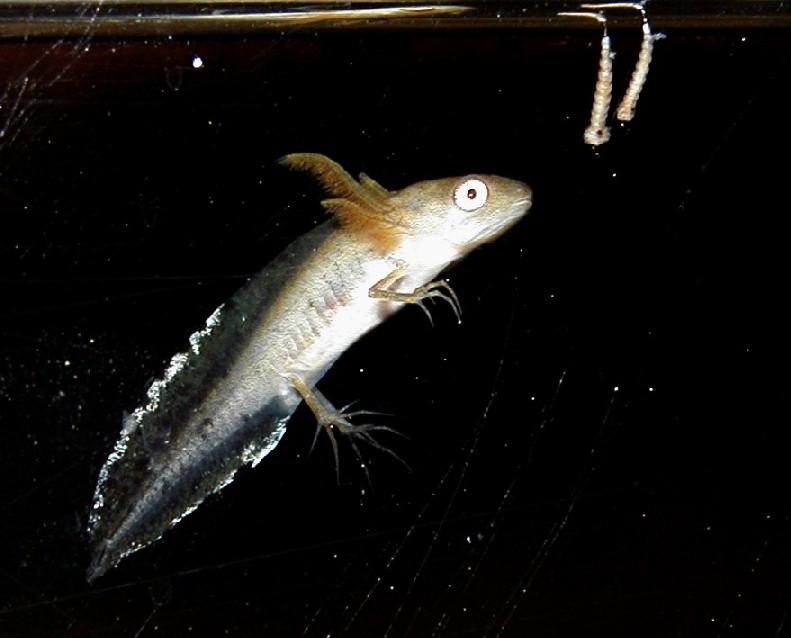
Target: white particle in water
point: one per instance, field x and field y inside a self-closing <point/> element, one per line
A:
<point x="197" y="62"/>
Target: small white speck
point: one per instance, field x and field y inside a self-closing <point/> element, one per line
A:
<point x="650" y="388"/>
<point x="67" y="363"/>
<point x="197" y="62"/>
<point x="615" y="389"/>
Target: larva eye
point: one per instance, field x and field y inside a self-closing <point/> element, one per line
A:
<point x="471" y="194"/>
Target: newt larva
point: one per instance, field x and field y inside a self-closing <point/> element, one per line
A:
<point x="226" y="401"/>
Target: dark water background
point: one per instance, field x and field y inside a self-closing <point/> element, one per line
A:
<point x="599" y="449"/>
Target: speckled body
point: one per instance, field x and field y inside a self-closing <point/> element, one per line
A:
<point x="227" y="401"/>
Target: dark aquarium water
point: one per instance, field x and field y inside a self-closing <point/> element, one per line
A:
<point x="598" y="449"/>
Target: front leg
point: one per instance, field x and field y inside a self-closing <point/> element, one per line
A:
<point x="439" y="289"/>
<point x="329" y="417"/>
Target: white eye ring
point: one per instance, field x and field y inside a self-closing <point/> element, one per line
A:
<point x="471" y="194"/>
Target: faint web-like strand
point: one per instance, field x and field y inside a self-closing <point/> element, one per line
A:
<point x="465" y="570"/>
<point x="782" y="622"/>
<point x="598" y="132"/>
<point x="158" y="599"/>
<point x="469" y="449"/>
<point x="432" y="543"/>
<point x="750" y="575"/>
<point x="20" y="86"/>
<point x="628" y="105"/>
<point x="341" y="580"/>
<point x="521" y="588"/>
<point x="469" y="571"/>
<point x="397" y="551"/>
<point x="17" y="115"/>
<point x="509" y="490"/>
